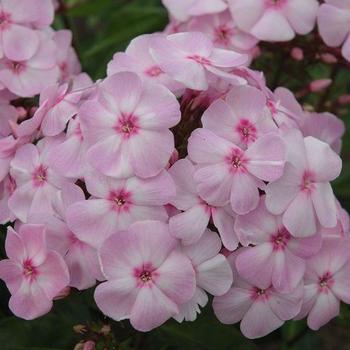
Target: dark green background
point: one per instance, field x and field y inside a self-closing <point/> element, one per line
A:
<point x="102" y="27"/>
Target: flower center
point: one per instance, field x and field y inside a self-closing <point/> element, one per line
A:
<point x="5" y="19"/>
<point x="154" y="71"/>
<point x="326" y="282"/>
<point x="17" y="67"/>
<point x="120" y="200"/>
<point x="199" y="59"/>
<point x="223" y="34"/>
<point x="145" y="276"/>
<point x="280" y="239"/>
<point x="308" y="182"/>
<point x="275" y="3"/>
<point x="236" y="160"/>
<point x="40" y="176"/>
<point x="260" y="294"/>
<point x="29" y="270"/>
<point x="247" y="131"/>
<point x="127" y="126"/>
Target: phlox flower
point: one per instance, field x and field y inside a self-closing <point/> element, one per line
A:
<point x="33" y="274"/>
<point x="148" y="276"/>
<point x="228" y="174"/>
<point x="29" y="77"/>
<point x="241" y="118"/>
<point x="37" y="183"/>
<point x="327" y="282"/>
<point x="303" y="194"/>
<point x="213" y="274"/>
<point x="261" y="17"/>
<point x="81" y="258"/>
<point x="128" y="126"/>
<point x="191" y="224"/>
<point x="278" y="258"/>
<point x="182" y="10"/>
<point x="334" y="24"/>
<point x="260" y="309"/>
<point x="115" y="204"/>
<point x="191" y="58"/>
<point x="137" y="58"/>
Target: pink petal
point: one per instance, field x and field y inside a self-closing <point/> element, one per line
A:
<point x="227" y="58"/>
<point x="12" y="274"/>
<point x="14" y="247"/>
<point x="176" y="278"/>
<point x="341" y="287"/>
<point x="192" y="43"/>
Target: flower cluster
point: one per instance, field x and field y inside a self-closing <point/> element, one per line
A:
<point x="179" y="174"/>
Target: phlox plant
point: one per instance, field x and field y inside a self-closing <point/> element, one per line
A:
<point x="182" y="178"/>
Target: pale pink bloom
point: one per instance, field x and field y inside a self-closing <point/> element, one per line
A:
<point x="325" y="127"/>
<point x="213" y="274"/>
<point x="223" y="32"/>
<point x="8" y="114"/>
<point x="148" y="276"/>
<point x="334" y="24"/>
<point x="29" y="77"/>
<point x="261" y="310"/>
<point x="68" y="157"/>
<point x="137" y="58"/>
<point x="191" y="59"/>
<point x="66" y="56"/>
<point x="33" y="274"/>
<point x="128" y="126"/>
<point x="7" y="187"/>
<point x="327" y="282"/>
<point x="320" y="85"/>
<point x="303" y="194"/>
<point x="262" y="17"/>
<point x="118" y="203"/>
<point x="18" y="38"/>
<point x="278" y="258"/>
<point x="37" y="183"/>
<point x="228" y="174"/>
<point x="190" y="225"/>
<point x="81" y="258"/>
<point x="182" y="10"/>
<point x="8" y="146"/>
<point x="241" y="118"/>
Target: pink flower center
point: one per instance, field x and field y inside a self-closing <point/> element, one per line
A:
<point x="275" y="3"/>
<point x="308" y="182"/>
<point x="154" y="71"/>
<point x="40" y="176"/>
<point x="236" y="160"/>
<point x="280" y="239"/>
<point x="29" y="270"/>
<point x="199" y="59"/>
<point x="223" y="34"/>
<point x="260" y="294"/>
<point x="120" y="200"/>
<point x="247" y="131"/>
<point x="17" y="67"/>
<point x="5" y="20"/>
<point x="127" y="126"/>
<point x="325" y="282"/>
<point x="145" y="275"/>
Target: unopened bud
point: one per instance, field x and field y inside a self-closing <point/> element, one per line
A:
<point x="319" y="85"/>
<point x="344" y="99"/>
<point x="329" y="58"/>
<point x="297" y="54"/>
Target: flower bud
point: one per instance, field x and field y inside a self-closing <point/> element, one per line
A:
<point x="319" y="85"/>
<point x="329" y="58"/>
<point x="297" y="54"/>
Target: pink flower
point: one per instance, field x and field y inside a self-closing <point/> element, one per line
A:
<point x="128" y="126"/>
<point x="241" y="118"/>
<point x="18" y="39"/>
<point x="191" y="224"/>
<point x="278" y="258"/>
<point x="228" y="174"/>
<point x="66" y="56"/>
<point x="261" y="310"/>
<point x="118" y="203"/>
<point x="262" y="17"/>
<point x="327" y="282"/>
<point x="137" y="58"/>
<point x="81" y="258"/>
<point x="303" y="194"/>
<point x="29" y="77"/>
<point x="213" y="274"/>
<point x="182" y="10"/>
<point x="147" y="276"/>
<point x="334" y="24"/>
<point x="33" y="274"/>
<point x="223" y="32"/>
<point x="190" y="58"/>
<point x="37" y="184"/>
<point x="325" y="127"/>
